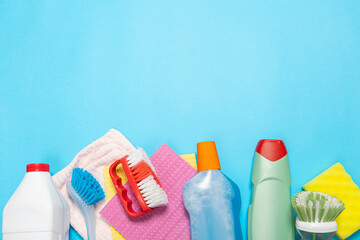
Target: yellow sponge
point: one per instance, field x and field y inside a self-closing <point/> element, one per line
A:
<point x="111" y="192"/>
<point x="337" y="182"/>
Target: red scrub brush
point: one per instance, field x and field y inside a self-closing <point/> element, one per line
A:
<point x="143" y="181"/>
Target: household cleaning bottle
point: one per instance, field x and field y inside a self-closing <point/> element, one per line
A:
<point x="270" y="214"/>
<point x="36" y="210"/>
<point x="212" y="199"/>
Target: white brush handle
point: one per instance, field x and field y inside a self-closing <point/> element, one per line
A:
<point x="89" y="216"/>
<point x="87" y="211"/>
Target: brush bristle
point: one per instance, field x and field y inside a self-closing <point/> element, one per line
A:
<point x="151" y="191"/>
<point x="86" y="186"/>
<point x="138" y="156"/>
<point x="317" y="207"/>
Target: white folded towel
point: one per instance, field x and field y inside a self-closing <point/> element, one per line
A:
<point x="93" y="158"/>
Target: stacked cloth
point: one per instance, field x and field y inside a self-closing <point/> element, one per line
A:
<point x="165" y="222"/>
<point x="111" y="191"/>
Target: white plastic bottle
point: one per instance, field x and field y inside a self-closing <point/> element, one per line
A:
<point x="36" y="210"/>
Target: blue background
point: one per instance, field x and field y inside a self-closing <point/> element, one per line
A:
<point x="181" y="72"/>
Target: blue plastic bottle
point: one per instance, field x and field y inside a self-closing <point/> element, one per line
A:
<point x="211" y="199"/>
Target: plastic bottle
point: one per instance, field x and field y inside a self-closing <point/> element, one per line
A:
<point x="211" y="199"/>
<point x="36" y="210"/>
<point x="270" y="215"/>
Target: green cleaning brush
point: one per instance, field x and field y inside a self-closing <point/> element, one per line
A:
<point x="316" y="214"/>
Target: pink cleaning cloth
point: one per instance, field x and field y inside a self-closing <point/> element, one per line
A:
<point x="93" y="158"/>
<point x="168" y="222"/>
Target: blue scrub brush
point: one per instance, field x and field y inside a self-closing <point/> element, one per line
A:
<point x="86" y="191"/>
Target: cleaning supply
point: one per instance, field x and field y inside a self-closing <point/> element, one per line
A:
<point x="110" y="190"/>
<point x="211" y="199"/>
<point x="143" y="181"/>
<point x="36" y="210"/>
<point x="85" y="190"/>
<point x="337" y="182"/>
<point x="166" y="222"/>
<point x="316" y="214"/>
<point x="93" y="158"/>
<point x="270" y="214"/>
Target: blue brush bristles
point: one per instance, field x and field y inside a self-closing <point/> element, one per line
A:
<point x="86" y="186"/>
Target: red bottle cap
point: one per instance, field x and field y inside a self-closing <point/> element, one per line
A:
<point x="271" y="149"/>
<point x="37" y="167"/>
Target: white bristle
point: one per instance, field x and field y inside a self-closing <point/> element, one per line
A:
<point x="137" y="156"/>
<point x="151" y="191"/>
<point x="153" y="194"/>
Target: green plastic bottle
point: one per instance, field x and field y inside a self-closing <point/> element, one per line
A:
<point x="270" y="214"/>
